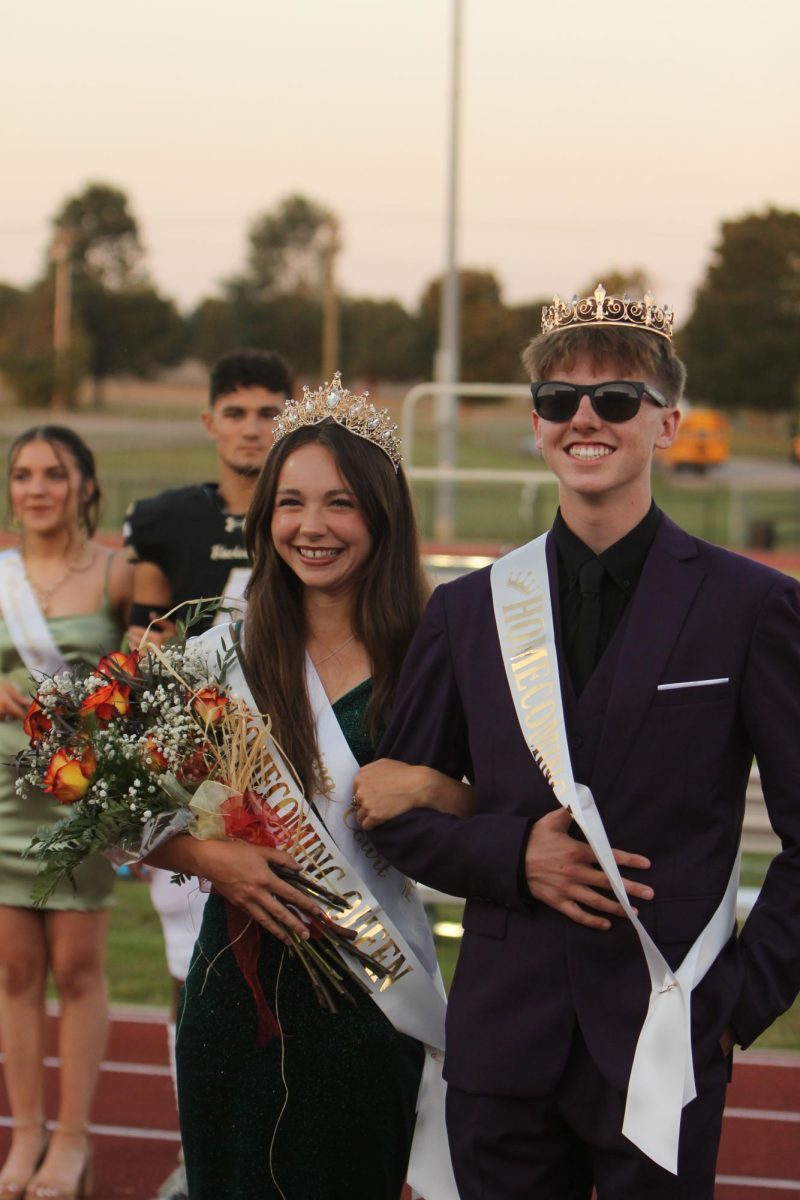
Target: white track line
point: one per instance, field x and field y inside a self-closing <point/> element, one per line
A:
<point x="122" y="1068"/>
<point x="761" y="1114"/>
<point x="775" y="1185"/>
<point x="118" y="1131"/>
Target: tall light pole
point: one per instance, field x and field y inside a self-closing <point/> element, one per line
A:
<point x="447" y="367"/>
<point x="330" y="300"/>
<point x="62" y="311"/>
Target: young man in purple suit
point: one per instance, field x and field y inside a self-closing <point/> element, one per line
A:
<point x="604" y="686"/>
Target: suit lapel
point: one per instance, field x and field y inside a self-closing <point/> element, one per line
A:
<point x="671" y="577"/>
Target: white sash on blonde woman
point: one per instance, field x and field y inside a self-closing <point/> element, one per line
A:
<point x="384" y="907"/>
<point x="662" y="1079"/>
<point x="26" y="622"/>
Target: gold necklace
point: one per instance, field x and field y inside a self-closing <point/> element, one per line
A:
<point x="45" y="594"/>
<point x="319" y="661"/>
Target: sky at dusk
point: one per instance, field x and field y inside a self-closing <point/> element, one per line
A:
<point x="593" y="136"/>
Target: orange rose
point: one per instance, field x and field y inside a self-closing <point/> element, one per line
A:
<point x="68" y="775"/>
<point x="116" y="664"/>
<point x="111" y="700"/>
<point x="36" y="724"/>
<point x="209" y="705"/>
<point x="154" y="757"/>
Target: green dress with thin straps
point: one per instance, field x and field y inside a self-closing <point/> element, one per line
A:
<point x="326" y="1114"/>
<point x="80" y="639"/>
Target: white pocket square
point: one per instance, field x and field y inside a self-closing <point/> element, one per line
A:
<point x="692" y="683"/>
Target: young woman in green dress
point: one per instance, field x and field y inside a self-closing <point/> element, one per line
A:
<point x="63" y="599"/>
<point x="326" y="1110"/>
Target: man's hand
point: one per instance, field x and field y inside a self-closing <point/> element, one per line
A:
<point x="563" y="873"/>
<point x="727" y="1041"/>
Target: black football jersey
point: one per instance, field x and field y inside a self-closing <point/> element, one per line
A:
<point x="196" y="543"/>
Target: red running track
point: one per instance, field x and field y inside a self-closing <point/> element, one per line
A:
<point x="136" y="1140"/>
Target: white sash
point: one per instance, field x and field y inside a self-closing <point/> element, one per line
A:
<point x="662" y="1078"/>
<point x="26" y="622"/>
<point x="396" y="895"/>
<point x="388" y="912"/>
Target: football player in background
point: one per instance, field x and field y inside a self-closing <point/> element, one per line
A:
<point x="186" y="542"/>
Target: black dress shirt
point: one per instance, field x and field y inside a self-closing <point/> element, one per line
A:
<point x="621" y="566"/>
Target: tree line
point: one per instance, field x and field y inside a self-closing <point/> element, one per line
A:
<point x="741" y="342"/>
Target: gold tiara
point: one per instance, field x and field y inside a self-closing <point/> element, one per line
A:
<point x="602" y="310"/>
<point x="350" y="411"/>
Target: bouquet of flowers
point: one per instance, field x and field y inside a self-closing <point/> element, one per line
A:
<point x="142" y="747"/>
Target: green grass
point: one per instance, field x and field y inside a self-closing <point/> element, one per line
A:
<point x="754" y="868"/>
<point x="137" y="968"/>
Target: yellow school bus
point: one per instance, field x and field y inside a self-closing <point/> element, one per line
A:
<point x="703" y="440"/>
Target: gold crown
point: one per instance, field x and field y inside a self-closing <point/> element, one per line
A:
<point x="603" y="310"/>
<point x="350" y="411"/>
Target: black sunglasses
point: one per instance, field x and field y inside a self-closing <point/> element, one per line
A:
<point x="614" y="402"/>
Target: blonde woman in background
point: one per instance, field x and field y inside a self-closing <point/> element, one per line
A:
<point x="63" y="599"/>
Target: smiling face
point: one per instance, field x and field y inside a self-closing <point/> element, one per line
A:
<point x="241" y="423"/>
<point x="46" y="488"/>
<point x="598" y="461"/>
<point x="317" y="526"/>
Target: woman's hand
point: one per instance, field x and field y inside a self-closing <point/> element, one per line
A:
<point x="242" y="873"/>
<point x="14" y="704"/>
<point x="387" y="788"/>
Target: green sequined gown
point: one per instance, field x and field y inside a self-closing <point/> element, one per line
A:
<point x="81" y="639"/>
<point x="348" y="1080"/>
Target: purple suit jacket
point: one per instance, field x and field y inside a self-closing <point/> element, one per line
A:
<point x="668" y="771"/>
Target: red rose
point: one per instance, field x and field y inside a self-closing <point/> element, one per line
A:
<point x="194" y="768"/>
<point x="68" y="775"/>
<point x="36" y="724"/>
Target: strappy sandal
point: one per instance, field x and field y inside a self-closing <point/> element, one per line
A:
<point x="12" y="1189"/>
<point x="42" y="1190"/>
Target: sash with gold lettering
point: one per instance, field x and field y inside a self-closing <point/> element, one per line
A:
<point x="26" y="622"/>
<point x="384" y="906"/>
<point x="662" y="1079"/>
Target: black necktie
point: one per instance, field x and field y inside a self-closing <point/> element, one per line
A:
<point x="590" y="578"/>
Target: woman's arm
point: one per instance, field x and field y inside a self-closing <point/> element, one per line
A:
<point x="153" y="595"/>
<point x="386" y="788"/>
<point x="242" y="874"/>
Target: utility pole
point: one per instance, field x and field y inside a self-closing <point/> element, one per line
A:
<point x="447" y="367"/>
<point x="330" y="300"/>
<point x="62" y="312"/>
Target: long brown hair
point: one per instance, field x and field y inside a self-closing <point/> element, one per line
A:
<point x="390" y="595"/>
